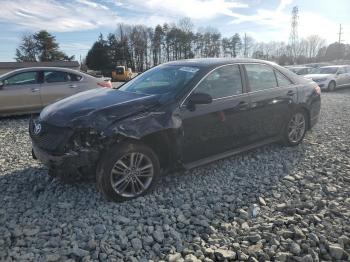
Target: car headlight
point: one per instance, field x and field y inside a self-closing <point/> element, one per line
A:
<point x="320" y="80"/>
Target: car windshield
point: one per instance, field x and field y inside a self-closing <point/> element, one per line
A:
<point x="325" y="70"/>
<point x="161" y="80"/>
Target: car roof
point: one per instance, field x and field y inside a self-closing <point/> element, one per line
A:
<point x="212" y="62"/>
<point x="29" y="69"/>
<point x="46" y="68"/>
<point x="297" y="67"/>
<point x="333" y="66"/>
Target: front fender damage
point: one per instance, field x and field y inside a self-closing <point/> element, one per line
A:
<point x="145" y="124"/>
<point x="87" y="144"/>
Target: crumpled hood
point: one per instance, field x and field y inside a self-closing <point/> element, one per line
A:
<point x="96" y="108"/>
<point x="317" y="76"/>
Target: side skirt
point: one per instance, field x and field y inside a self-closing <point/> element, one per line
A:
<point x="210" y="159"/>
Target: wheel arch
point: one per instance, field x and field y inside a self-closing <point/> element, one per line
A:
<point x="165" y="144"/>
<point x="308" y="115"/>
<point x="334" y="81"/>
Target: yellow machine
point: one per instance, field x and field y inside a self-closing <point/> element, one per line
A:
<point x="121" y="73"/>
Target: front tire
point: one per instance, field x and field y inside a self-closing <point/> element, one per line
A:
<point x="127" y="171"/>
<point x="295" y="129"/>
<point x="331" y="86"/>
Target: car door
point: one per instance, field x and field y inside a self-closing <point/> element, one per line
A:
<point x="79" y="83"/>
<point x="20" y="93"/>
<point x="347" y="70"/>
<point x="273" y="97"/>
<point x="217" y="127"/>
<point x="341" y="76"/>
<point x="56" y="85"/>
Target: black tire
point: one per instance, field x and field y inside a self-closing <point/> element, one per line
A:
<point x="331" y="86"/>
<point x="286" y="135"/>
<point x="108" y="162"/>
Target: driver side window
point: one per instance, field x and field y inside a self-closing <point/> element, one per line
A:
<point x="222" y="82"/>
<point x="26" y="78"/>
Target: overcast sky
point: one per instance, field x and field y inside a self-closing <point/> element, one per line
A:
<point x="77" y="23"/>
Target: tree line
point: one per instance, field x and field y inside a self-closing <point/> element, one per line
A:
<point x="140" y="47"/>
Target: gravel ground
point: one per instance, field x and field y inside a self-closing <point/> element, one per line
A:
<point x="273" y="203"/>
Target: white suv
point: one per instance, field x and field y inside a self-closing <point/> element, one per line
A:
<point x="330" y="77"/>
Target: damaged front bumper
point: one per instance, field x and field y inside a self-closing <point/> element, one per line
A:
<point x="77" y="163"/>
<point x="66" y="153"/>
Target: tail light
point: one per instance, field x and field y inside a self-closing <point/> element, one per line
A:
<point x="106" y="84"/>
<point x="318" y="90"/>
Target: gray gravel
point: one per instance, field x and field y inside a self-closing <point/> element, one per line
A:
<point x="273" y="203"/>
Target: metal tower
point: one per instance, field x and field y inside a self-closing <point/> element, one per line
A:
<point x="293" y="38"/>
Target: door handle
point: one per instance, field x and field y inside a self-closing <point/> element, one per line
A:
<point x="72" y="86"/>
<point x="35" y="90"/>
<point x="291" y="93"/>
<point x="243" y="105"/>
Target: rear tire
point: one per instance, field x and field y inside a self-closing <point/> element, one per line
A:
<point x="295" y="129"/>
<point x="127" y="171"/>
<point x="331" y="86"/>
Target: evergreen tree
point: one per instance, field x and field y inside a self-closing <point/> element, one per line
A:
<point x="26" y="52"/>
<point x="98" y="57"/>
<point x="41" y="46"/>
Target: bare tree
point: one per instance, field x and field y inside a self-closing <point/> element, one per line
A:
<point x="248" y="43"/>
<point x="315" y="43"/>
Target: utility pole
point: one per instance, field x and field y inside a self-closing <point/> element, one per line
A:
<point x="293" y="38"/>
<point x="245" y="45"/>
<point x="340" y="33"/>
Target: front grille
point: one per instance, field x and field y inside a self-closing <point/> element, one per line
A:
<point x="50" y="138"/>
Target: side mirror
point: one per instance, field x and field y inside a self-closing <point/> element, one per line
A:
<point x="198" y="99"/>
<point x="2" y="83"/>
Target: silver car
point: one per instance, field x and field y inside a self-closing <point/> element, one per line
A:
<point x="330" y="77"/>
<point x="28" y="90"/>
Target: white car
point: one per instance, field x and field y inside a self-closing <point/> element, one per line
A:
<point x="300" y="70"/>
<point x="330" y="77"/>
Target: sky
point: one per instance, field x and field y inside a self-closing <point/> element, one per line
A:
<point x="77" y="23"/>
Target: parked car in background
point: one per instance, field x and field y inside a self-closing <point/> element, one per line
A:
<point x="179" y="114"/>
<point x="300" y="70"/>
<point x="28" y="90"/>
<point x="330" y="77"/>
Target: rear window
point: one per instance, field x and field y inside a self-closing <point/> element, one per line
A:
<point x="74" y="77"/>
<point x="260" y="77"/>
<point x="56" y="76"/>
<point x="282" y="80"/>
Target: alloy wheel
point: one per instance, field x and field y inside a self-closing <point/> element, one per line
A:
<point x="296" y="128"/>
<point x="132" y="174"/>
